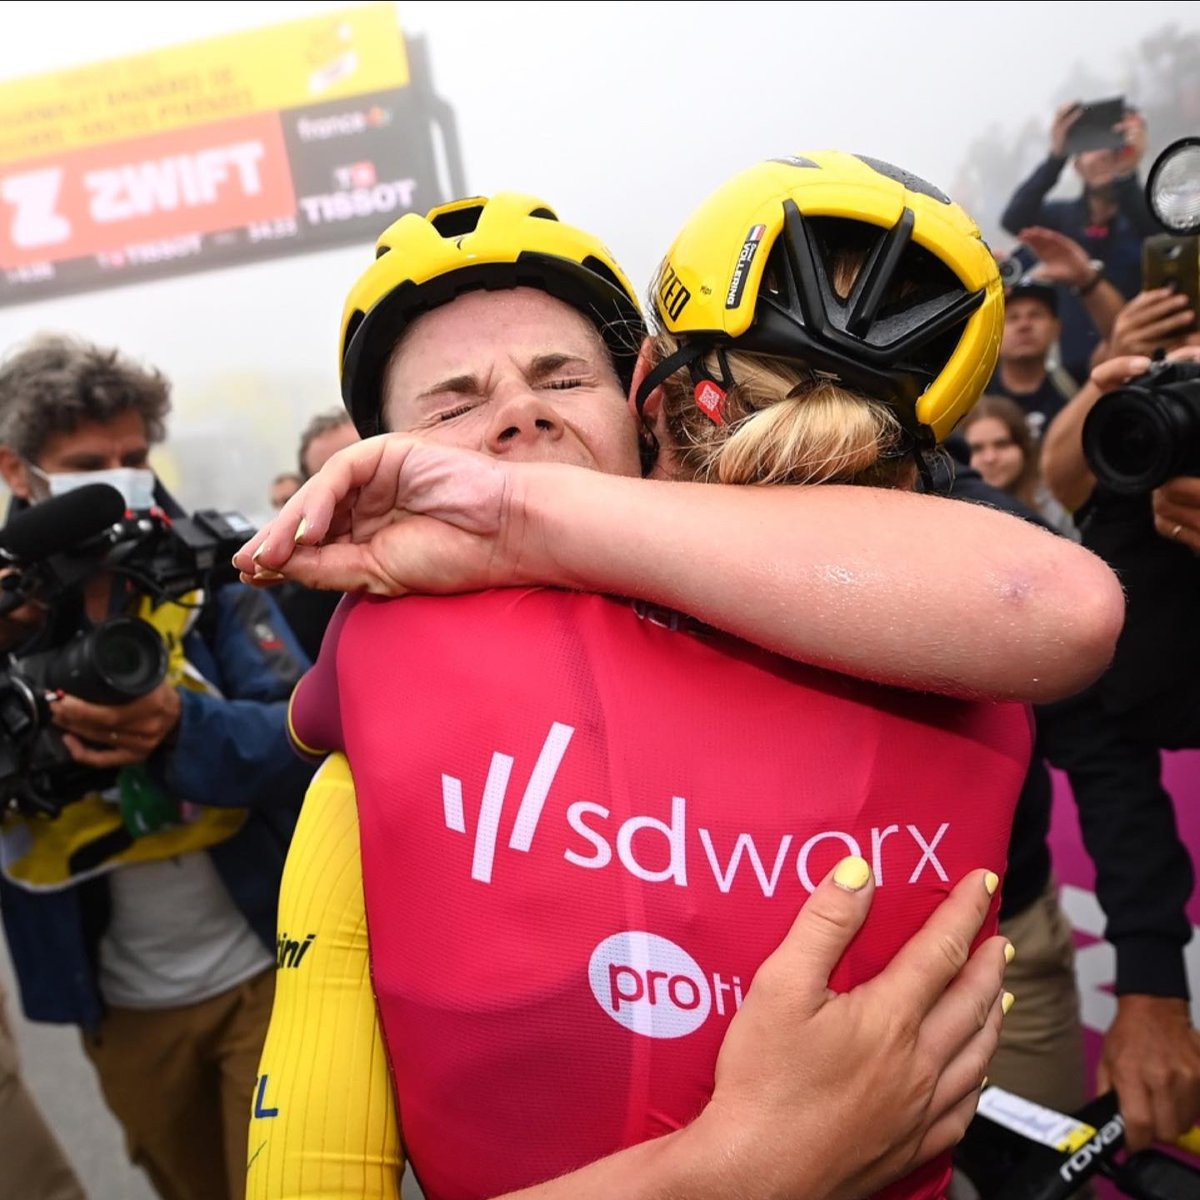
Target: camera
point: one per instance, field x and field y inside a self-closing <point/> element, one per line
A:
<point x="56" y="546"/>
<point x="117" y="662"/>
<point x="1012" y="270"/>
<point x="1140" y="435"/>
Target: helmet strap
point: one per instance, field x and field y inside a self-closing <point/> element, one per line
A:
<point x="683" y="357"/>
<point x="708" y="390"/>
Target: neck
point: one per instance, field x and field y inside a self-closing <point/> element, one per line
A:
<point x="1101" y="205"/>
<point x="1022" y="375"/>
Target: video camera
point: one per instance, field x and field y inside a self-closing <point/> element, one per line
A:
<point x="51" y="550"/>
<point x="1139" y="436"/>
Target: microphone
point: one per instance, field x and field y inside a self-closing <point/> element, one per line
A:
<point x="61" y="523"/>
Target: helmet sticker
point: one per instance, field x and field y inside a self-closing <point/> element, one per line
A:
<point x="672" y="295"/>
<point x="710" y="399"/>
<point x="738" y="283"/>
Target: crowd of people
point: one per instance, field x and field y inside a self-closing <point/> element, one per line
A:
<point x="780" y="856"/>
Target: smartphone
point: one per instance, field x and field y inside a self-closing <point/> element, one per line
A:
<point x="1169" y="261"/>
<point x="1093" y="130"/>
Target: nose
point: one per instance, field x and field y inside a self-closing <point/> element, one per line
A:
<point x="522" y="420"/>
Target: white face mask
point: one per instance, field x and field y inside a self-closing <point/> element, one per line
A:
<point x="136" y="484"/>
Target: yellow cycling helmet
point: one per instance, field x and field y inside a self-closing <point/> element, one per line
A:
<point x="750" y="272"/>
<point x="507" y="241"/>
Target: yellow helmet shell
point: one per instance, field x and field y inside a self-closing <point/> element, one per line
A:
<point x="510" y="240"/>
<point x="709" y="282"/>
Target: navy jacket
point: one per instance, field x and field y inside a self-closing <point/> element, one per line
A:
<point x="1117" y="245"/>
<point x="229" y="751"/>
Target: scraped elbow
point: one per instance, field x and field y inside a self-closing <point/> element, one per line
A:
<point x="1088" y="609"/>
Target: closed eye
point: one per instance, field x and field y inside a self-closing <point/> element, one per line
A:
<point x="561" y="385"/>
<point x="451" y="413"/>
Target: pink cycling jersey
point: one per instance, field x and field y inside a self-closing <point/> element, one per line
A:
<point x="585" y="824"/>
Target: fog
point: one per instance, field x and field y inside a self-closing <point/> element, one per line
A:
<point x="621" y="115"/>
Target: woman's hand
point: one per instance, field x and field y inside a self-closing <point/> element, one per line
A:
<point x="392" y="515"/>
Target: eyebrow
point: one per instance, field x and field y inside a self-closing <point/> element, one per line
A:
<point x="540" y="368"/>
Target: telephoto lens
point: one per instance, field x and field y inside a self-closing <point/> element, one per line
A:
<point x="1139" y="436"/>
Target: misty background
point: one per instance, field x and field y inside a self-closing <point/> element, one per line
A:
<point x="622" y="116"/>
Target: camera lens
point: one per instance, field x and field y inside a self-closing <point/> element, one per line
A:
<point x="114" y="663"/>
<point x="127" y="659"/>
<point x="1136" y="438"/>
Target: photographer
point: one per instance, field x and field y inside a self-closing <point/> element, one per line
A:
<point x="1109" y="220"/>
<point x="146" y="914"/>
<point x="1146" y="701"/>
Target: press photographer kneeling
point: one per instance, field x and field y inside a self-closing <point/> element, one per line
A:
<point x="147" y="820"/>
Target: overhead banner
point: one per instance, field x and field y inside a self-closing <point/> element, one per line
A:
<point x="298" y="137"/>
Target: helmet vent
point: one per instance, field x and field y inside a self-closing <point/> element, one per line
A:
<point x="604" y="271"/>
<point x="458" y="222"/>
<point x="914" y="183"/>
<point x="356" y="319"/>
<point x="544" y="213"/>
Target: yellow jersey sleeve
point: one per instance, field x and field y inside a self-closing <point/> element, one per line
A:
<point x="324" y="1123"/>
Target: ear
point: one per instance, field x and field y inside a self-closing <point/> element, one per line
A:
<point x="653" y="405"/>
<point x="14" y="473"/>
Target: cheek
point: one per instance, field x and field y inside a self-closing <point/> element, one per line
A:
<point x="1011" y="465"/>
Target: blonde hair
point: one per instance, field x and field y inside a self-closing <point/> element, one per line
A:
<point x="782" y="424"/>
<point x="782" y="421"/>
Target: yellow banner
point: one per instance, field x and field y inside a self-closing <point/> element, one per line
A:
<point x="283" y="66"/>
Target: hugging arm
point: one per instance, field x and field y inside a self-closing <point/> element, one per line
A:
<point x="887" y="585"/>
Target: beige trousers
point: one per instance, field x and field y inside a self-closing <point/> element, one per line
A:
<point x="180" y="1081"/>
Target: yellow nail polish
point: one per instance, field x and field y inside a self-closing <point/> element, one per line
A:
<point x="1010" y="952"/>
<point x="991" y="881"/>
<point x="1006" y="1003"/>
<point x="302" y="528"/>
<point x="852" y="874"/>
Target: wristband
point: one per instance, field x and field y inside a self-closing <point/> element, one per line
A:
<point x="1098" y="274"/>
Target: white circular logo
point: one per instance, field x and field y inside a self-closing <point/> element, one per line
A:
<point x="649" y="985"/>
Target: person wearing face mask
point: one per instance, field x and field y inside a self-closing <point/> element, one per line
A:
<point x="144" y="912"/>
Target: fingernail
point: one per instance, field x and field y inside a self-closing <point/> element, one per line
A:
<point x="1010" y="952"/>
<point x="254" y="556"/>
<point x="266" y="575"/>
<point x="852" y="874"/>
<point x="302" y="528"/>
<point x="991" y="881"/>
<point x="1007" y="1002"/>
<point x="984" y="1083"/>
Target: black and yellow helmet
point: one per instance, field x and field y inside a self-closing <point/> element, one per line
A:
<point x="750" y="272"/>
<point x="507" y="241"/>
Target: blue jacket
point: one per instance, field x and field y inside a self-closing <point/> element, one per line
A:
<point x="229" y="751"/>
<point x="1118" y="246"/>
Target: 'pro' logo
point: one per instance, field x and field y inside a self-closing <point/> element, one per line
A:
<point x="652" y="986"/>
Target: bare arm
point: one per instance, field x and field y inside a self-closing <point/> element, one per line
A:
<point x="1065" y="261"/>
<point x="900" y="588"/>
